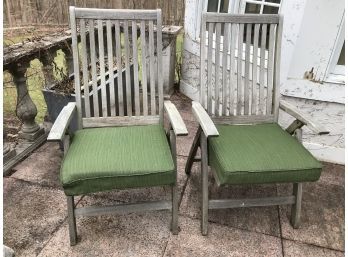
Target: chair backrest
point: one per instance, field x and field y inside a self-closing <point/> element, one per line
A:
<point x="117" y="66"/>
<point x="240" y="57"/>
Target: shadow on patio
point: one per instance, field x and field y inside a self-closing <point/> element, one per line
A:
<point x="35" y="218"/>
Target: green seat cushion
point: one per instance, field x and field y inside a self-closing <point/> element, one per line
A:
<point x="265" y="153"/>
<point x="102" y="159"/>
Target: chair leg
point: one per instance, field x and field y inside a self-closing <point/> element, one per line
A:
<point x="72" y="220"/>
<point x="175" y="210"/>
<point x="296" y="207"/>
<point x="204" y="175"/>
<point x="193" y="152"/>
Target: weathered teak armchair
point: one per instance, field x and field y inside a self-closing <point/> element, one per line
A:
<point x="120" y="142"/>
<point x="238" y="113"/>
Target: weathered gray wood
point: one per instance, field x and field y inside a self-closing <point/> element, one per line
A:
<point x="233" y="78"/>
<point x="111" y="68"/>
<point x="254" y="103"/>
<point x="135" y="68"/>
<point x="119" y="121"/>
<point x="175" y="196"/>
<point x="239" y="70"/>
<point x="262" y="69"/>
<point x="94" y="69"/>
<point x="243" y="119"/>
<point x="143" y="65"/>
<point x="296" y="124"/>
<point x="217" y="69"/>
<point x="296" y="207"/>
<point x="123" y="208"/>
<point x="62" y="122"/>
<point x="119" y="14"/>
<point x="210" y="67"/>
<point x="204" y="120"/>
<point x="76" y="65"/>
<point x="193" y="151"/>
<point x="277" y="68"/>
<point x="224" y="93"/>
<point x="204" y="184"/>
<point x="159" y="66"/>
<point x="203" y="89"/>
<point x="152" y="69"/>
<point x="270" y="71"/>
<point x="71" y="220"/>
<point x="251" y="202"/>
<point x="241" y="18"/>
<point x="85" y="67"/>
<point x="293" y="111"/>
<point x="127" y="61"/>
<point x="119" y="68"/>
<point x="246" y="71"/>
<point x="102" y="68"/>
<point x="176" y="121"/>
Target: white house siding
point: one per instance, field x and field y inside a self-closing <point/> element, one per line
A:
<point x="323" y="101"/>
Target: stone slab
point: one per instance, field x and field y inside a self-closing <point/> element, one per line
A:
<point x="31" y="215"/>
<point x="322" y="216"/>
<point x="221" y="241"/>
<point x="42" y="166"/>
<point x="135" y="234"/>
<point x="257" y="219"/>
<point x="295" y="249"/>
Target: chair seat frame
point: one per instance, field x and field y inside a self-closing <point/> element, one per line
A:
<point x="127" y="115"/>
<point x="204" y="114"/>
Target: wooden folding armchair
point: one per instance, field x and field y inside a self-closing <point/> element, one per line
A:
<point x="239" y="135"/>
<point x="120" y="142"/>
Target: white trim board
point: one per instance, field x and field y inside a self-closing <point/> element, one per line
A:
<point x="326" y="153"/>
<point x="306" y="89"/>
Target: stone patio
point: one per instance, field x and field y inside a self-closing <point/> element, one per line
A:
<point x="35" y="218"/>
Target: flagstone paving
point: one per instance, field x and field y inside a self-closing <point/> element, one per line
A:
<point x="35" y="218"/>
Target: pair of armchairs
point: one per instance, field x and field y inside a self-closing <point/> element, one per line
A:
<point x="121" y="141"/>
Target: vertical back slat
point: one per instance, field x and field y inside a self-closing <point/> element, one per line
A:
<point x="246" y="82"/>
<point x="270" y="65"/>
<point x="276" y="94"/>
<point x="210" y="66"/>
<point x="102" y="68"/>
<point x="85" y="67"/>
<point x="76" y="66"/>
<point x="254" y="77"/>
<point x="217" y="68"/>
<point x="135" y="68"/>
<point x="203" y="89"/>
<point x="152" y="69"/>
<point x="94" y="69"/>
<point x="111" y="68"/>
<point x="233" y="79"/>
<point x="224" y="69"/>
<point x="262" y="69"/>
<point x="119" y="68"/>
<point x="159" y="65"/>
<point x="240" y="69"/>
<point x="127" y="60"/>
<point x="143" y="65"/>
<point x="247" y="68"/>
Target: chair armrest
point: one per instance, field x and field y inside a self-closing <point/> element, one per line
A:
<point x="302" y="118"/>
<point x="62" y="122"/>
<point x="204" y="120"/>
<point x="176" y="121"/>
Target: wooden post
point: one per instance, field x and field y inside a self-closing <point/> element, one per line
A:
<point x="26" y="110"/>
